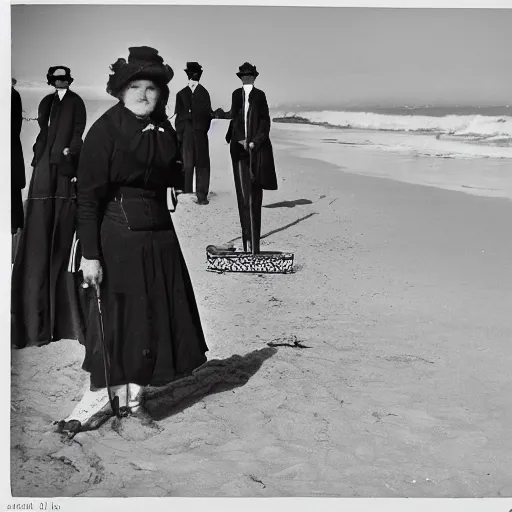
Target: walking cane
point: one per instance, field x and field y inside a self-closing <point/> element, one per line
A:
<point x="251" y="216"/>
<point x="114" y="400"/>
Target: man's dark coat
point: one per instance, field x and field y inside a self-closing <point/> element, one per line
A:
<point x="195" y="107"/>
<point x="65" y="131"/>
<point x="258" y="132"/>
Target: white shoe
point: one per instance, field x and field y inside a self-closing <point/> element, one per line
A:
<point x="134" y="397"/>
<point x="91" y="404"/>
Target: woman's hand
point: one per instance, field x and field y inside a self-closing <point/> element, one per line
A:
<point x="92" y="272"/>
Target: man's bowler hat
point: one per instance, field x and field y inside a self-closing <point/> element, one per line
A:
<point x="247" y="69"/>
<point x="193" y="68"/>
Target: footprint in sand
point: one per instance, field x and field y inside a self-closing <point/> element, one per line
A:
<point x="135" y="428"/>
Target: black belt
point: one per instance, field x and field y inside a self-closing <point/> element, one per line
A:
<point x="140" y="209"/>
<point x="138" y="193"/>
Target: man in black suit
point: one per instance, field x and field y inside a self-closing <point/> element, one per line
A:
<point x="193" y="118"/>
<point x="251" y="153"/>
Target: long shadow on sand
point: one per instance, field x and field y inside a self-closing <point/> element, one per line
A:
<point x="288" y="204"/>
<point x="282" y="228"/>
<point x="215" y="376"/>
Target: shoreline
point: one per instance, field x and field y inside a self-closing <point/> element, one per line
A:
<point x="410" y="144"/>
<point x="418" y="159"/>
<point x="470" y="138"/>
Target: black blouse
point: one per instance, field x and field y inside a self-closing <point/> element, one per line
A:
<point x="121" y="150"/>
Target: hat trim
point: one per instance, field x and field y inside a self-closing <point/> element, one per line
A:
<point x="159" y="73"/>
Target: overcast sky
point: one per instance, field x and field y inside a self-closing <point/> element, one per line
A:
<point x="312" y="56"/>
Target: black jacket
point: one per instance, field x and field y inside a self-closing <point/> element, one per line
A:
<point x="258" y="120"/>
<point x="194" y="109"/>
<point x="65" y="131"/>
<point x="118" y="154"/>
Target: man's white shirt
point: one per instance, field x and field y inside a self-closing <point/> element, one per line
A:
<point x="61" y="93"/>
<point x="247" y="90"/>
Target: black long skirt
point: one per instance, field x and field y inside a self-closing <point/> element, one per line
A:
<point x="42" y="309"/>
<point x="151" y="321"/>
<point x="17" y="216"/>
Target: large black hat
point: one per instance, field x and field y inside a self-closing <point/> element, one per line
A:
<point x="143" y="63"/>
<point x="247" y="69"/>
<point x="59" y="73"/>
<point x="193" y="68"/>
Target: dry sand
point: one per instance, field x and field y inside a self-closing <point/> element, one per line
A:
<point x="402" y="297"/>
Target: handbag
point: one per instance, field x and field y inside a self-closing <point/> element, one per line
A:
<point x="172" y="199"/>
<point x="80" y="297"/>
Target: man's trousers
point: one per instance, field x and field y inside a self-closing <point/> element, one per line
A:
<point x="249" y="196"/>
<point x="195" y="152"/>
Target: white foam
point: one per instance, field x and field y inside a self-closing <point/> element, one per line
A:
<point x="457" y="125"/>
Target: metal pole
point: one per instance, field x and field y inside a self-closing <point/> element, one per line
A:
<point x="114" y="400"/>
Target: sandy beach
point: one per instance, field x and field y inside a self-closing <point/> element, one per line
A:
<point x="401" y="300"/>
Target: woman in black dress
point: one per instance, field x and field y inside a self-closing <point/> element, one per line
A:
<point x="130" y="249"/>
<point x="41" y="309"/>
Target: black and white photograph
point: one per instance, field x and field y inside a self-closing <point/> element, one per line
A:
<point x="258" y="251"/>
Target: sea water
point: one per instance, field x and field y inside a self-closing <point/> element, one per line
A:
<point x="483" y="125"/>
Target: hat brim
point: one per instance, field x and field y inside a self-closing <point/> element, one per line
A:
<point x="118" y="81"/>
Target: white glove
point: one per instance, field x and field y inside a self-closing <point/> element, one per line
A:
<point x="92" y="271"/>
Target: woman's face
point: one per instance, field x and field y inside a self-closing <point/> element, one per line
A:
<point x="61" y="84"/>
<point x="141" y="97"/>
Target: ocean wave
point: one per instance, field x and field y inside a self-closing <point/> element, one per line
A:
<point x="471" y="126"/>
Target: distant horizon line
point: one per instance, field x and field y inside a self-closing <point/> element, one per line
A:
<point x="410" y="106"/>
<point x="32" y="85"/>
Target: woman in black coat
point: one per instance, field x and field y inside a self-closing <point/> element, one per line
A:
<point x="18" y="179"/>
<point x="251" y="153"/>
<point x="131" y="252"/>
<point x="41" y="310"/>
